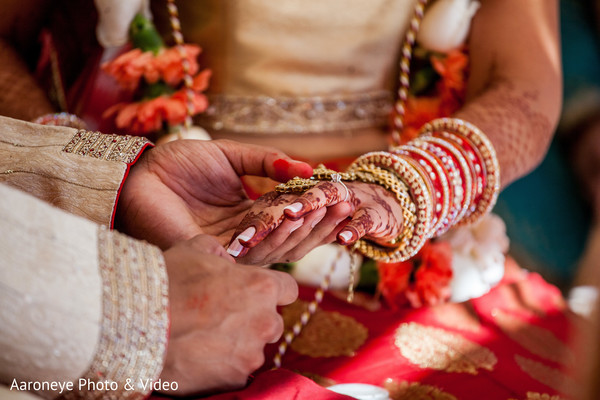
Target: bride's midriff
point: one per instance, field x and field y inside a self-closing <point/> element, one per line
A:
<point x="316" y="147"/>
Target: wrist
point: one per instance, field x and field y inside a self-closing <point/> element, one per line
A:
<point x="126" y="194"/>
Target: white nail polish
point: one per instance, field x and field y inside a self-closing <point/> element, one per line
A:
<point x="247" y="234"/>
<point x="234" y="249"/>
<point x="294" y="207"/>
<point x="346" y="235"/>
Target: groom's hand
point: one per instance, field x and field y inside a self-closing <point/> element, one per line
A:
<point x="222" y="316"/>
<point x="189" y="187"/>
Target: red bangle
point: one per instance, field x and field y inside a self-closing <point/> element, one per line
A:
<point x="447" y="153"/>
<point x="439" y="180"/>
<point x="487" y="155"/>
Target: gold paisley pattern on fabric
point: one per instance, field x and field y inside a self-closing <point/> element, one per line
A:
<point x="327" y="334"/>
<point x="549" y="376"/>
<point x="435" y="348"/>
<point x="537" y="340"/>
<point x="458" y="316"/>
<point x="540" y="396"/>
<point x="404" y="390"/>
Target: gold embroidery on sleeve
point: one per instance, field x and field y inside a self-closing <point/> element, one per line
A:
<point x="403" y="390"/>
<point x="134" y="322"/>
<point x="435" y="348"/>
<point x="106" y="147"/>
<point x="328" y="334"/>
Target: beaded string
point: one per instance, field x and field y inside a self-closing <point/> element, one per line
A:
<point x="407" y="48"/>
<point x="398" y="125"/>
<point x="306" y="315"/>
<point x="187" y="77"/>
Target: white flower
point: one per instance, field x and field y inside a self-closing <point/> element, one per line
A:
<point x="313" y="267"/>
<point x="446" y="24"/>
<point x="477" y="257"/>
<point x="466" y="282"/>
<point x="114" y="17"/>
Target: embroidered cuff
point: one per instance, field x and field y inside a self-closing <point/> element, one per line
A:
<point x="107" y="147"/>
<point x="134" y="331"/>
<point x="126" y="149"/>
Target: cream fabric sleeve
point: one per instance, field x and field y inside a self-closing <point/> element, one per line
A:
<point x="76" y="170"/>
<point x="78" y="303"/>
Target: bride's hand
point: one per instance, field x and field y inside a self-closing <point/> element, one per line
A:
<point x="284" y="227"/>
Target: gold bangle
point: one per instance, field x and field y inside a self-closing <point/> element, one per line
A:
<point x="388" y="180"/>
<point x="419" y="193"/>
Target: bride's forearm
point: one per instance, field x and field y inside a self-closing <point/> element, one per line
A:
<point x="514" y="90"/>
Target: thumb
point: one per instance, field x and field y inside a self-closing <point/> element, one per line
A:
<point x="249" y="159"/>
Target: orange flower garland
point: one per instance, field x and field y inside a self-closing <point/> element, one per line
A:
<point x="137" y="69"/>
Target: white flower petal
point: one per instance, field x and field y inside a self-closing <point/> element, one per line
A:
<point x="446" y="24"/>
<point x="313" y="267"/>
<point x="466" y="282"/>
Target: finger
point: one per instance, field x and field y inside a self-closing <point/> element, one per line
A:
<point x="359" y="226"/>
<point x="209" y="244"/>
<point x="262" y="253"/>
<point x="313" y="233"/>
<point x="277" y="329"/>
<point x="324" y="194"/>
<point x="248" y="159"/>
<point x="288" y="288"/>
<point x="265" y="216"/>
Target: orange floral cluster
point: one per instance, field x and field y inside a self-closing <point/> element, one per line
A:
<point x="449" y="94"/>
<point x="149" y="115"/>
<point x="421" y="281"/>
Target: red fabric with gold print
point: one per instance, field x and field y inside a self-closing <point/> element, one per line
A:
<point x="512" y="343"/>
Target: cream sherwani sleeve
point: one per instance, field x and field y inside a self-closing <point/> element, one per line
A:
<point x="76" y="170"/>
<point x="78" y="303"/>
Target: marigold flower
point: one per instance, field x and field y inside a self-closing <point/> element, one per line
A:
<point x="393" y="282"/>
<point x="128" y="68"/>
<point x="432" y="277"/>
<point x="169" y="63"/>
<point x="150" y="115"/>
<point x="423" y="280"/>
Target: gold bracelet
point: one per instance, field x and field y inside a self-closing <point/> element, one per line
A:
<point x="420" y="196"/>
<point x="300" y="185"/>
<point x="389" y="180"/>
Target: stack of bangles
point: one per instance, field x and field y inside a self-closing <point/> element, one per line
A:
<point x="448" y="175"/>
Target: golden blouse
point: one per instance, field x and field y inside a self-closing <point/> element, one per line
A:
<point x="287" y="70"/>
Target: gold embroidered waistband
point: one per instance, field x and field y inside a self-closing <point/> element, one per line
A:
<point x="274" y="115"/>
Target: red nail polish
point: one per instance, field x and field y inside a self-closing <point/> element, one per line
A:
<point x="282" y="169"/>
